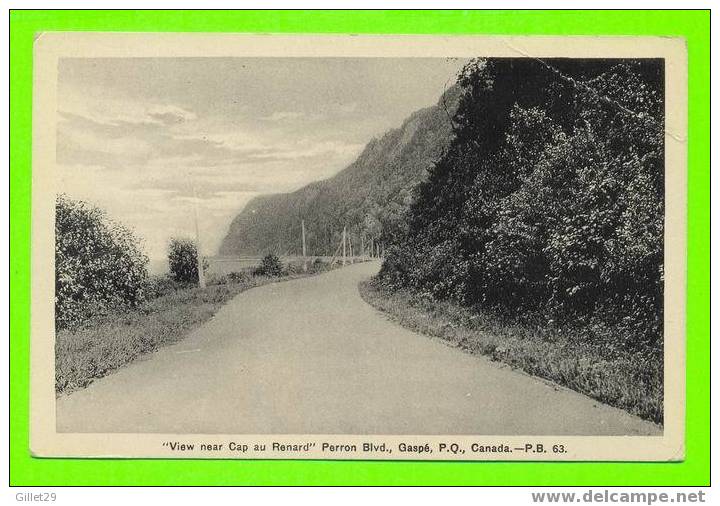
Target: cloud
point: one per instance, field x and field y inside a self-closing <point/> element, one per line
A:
<point x="283" y="116"/>
<point x="112" y="110"/>
<point x="136" y="134"/>
<point x="170" y="114"/>
<point x="308" y="149"/>
<point x="119" y="144"/>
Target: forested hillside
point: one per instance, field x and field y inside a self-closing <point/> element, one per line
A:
<point x="549" y="200"/>
<point x="369" y="196"/>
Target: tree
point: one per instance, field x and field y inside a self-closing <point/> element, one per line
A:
<point x="550" y="196"/>
<point x="182" y="259"/>
<point x="269" y="266"/>
<point x="99" y="264"/>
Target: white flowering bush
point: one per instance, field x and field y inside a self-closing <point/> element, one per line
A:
<point x="99" y="264"/>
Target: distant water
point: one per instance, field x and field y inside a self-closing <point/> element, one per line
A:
<point x="158" y="266"/>
<point x="221" y="265"/>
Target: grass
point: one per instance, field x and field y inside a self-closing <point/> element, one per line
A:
<point x="632" y="381"/>
<point x="109" y="341"/>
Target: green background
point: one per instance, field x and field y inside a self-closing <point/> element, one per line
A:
<point x="694" y="26"/>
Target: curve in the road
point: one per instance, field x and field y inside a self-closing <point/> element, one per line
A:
<point x="309" y="356"/>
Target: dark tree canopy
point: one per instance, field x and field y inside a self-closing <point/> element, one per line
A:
<point x="550" y="197"/>
<point x="182" y="260"/>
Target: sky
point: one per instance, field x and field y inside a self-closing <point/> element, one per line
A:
<point x="139" y="137"/>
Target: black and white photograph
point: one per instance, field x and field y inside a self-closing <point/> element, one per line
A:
<point x="329" y="253"/>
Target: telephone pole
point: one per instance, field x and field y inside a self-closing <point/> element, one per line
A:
<point x="344" y="242"/>
<point x="201" y="272"/>
<point x="302" y="222"/>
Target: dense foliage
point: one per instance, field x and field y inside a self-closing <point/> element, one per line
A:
<point x="549" y="199"/>
<point x="98" y="263"/>
<point x="182" y="259"/>
<point x="270" y="265"/>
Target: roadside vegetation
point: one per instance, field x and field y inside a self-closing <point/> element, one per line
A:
<point x="109" y="311"/>
<point x="585" y="360"/>
<point x="112" y="339"/>
<point x="99" y="263"/>
<point x="546" y="214"/>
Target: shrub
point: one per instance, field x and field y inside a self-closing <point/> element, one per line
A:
<point x="238" y="277"/>
<point x="182" y="258"/>
<point x="549" y="200"/>
<point x="319" y="264"/>
<point x="294" y="268"/>
<point x="218" y="279"/>
<point x="99" y="264"/>
<point x="162" y="285"/>
<point x="269" y="266"/>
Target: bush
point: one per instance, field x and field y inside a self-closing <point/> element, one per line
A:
<point x="319" y="264"/>
<point x="162" y="285"/>
<point x="549" y="200"/>
<point x="294" y="268"/>
<point x="217" y="279"/>
<point x="182" y="258"/>
<point x="269" y="266"/>
<point x="98" y="263"/>
<point x="238" y="277"/>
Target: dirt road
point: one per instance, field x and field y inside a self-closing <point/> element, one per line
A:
<point x="309" y="356"/>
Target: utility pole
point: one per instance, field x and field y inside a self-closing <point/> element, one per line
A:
<point x="362" y="246"/>
<point x="352" y="254"/>
<point x="302" y="222"/>
<point x="344" y="241"/>
<point x="201" y="271"/>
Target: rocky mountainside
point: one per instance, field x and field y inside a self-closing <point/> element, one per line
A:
<point x="369" y="197"/>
